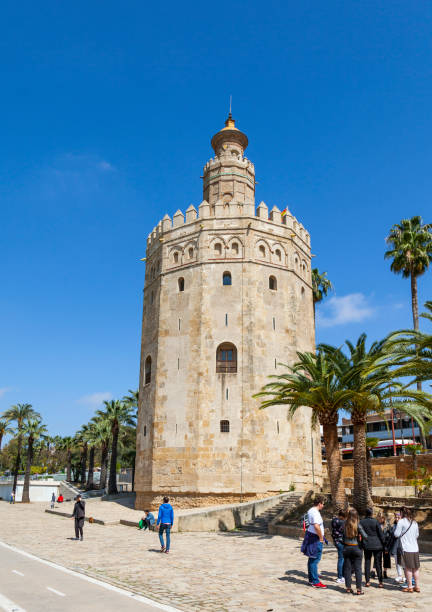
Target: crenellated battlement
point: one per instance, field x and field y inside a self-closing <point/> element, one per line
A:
<point x="224" y="210"/>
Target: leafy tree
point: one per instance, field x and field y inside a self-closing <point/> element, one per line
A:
<point x="82" y="442"/>
<point x="312" y="382"/>
<point x="321" y="285"/>
<point x="413" y="450"/>
<point x="117" y="414"/>
<point x="19" y="413"/>
<point x="34" y="430"/>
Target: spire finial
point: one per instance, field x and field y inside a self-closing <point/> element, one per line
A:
<point x="230" y="106"/>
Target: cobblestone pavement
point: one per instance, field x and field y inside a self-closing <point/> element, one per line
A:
<point x="204" y="571"/>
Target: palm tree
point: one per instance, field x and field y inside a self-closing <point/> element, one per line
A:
<point x="34" y="430"/>
<point x="370" y="381"/>
<point x="81" y="439"/>
<point x="117" y="413"/>
<point x="102" y="435"/>
<point x="321" y="285"/>
<point x="411" y="251"/>
<point x="5" y="430"/>
<point x="92" y="437"/>
<point x="67" y="444"/>
<point x="414" y="449"/>
<point x="312" y="382"/>
<point x="19" y="413"/>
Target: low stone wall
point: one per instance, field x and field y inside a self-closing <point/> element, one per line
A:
<point x="196" y="500"/>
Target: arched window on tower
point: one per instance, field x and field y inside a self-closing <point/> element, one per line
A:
<point x="226" y="358"/>
<point x="235" y="248"/>
<point x="278" y="255"/>
<point x="226" y="278"/>
<point x="262" y="250"/>
<point x="181" y="284"/>
<point x="190" y="252"/>
<point x="147" y="369"/>
<point x="218" y="248"/>
<point x="272" y="283"/>
<point x="176" y="257"/>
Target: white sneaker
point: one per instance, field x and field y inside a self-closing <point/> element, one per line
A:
<point x="340" y="580"/>
<point x="398" y="579"/>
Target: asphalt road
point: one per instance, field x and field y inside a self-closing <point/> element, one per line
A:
<point x="28" y="584"/>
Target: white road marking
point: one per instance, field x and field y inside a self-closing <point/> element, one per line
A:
<point x="56" y="592"/>
<point x="105" y="585"/>
<point x="17" y="572"/>
<point x="8" y="605"/>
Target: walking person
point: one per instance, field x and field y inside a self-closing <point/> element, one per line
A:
<point x="354" y="537"/>
<point x="313" y="542"/>
<point x="165" y="521"/>
<point x="408" y="532"/>
<point x="79" y="515"/>
<point x="53" y="498"/>
<point x="12" y="497"/>
<point x="337" y="533"/>
<point x="394" y="549"/>
<point x="373" y="546"/>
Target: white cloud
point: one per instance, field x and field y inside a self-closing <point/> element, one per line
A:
<point x="351" y="308"/>
<point x="105" y="166"/>
<point x="4" y="390"/>
<point x="95" y="399"/>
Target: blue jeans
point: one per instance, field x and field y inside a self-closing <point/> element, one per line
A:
<point x="165" y="527"/>
<point x="340" y="561"/>
<point x="313" y="565"/>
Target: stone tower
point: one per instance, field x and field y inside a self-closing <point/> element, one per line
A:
<point x="227" y="298"/>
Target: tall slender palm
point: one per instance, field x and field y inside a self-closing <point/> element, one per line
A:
<point x="102" y="435"/>
<point x="91" y="435"/>
<point x="321" y="285"/>
<point x="117" y="413"/>
<point x="19" y="413"/>
<point x="67" y="443"/>
<point x="312" y="382"/>
<point x="34" y="430"/>
<point x="81" y="439"/>
<point x="411" y="253"/>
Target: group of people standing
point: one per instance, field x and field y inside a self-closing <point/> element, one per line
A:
<point x="373" y="538"/>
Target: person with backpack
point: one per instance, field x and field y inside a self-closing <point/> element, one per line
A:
<point x="408" y="532"/>
<point x="312" y="545"/>
<point x="373" y="546"/>
<point x="337" y="533"/>
<point x="354" y="538"/>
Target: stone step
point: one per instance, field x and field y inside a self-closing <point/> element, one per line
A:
<point x="260" y="523"/>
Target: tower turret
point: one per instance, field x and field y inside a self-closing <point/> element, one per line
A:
<point x="229" y="176"/>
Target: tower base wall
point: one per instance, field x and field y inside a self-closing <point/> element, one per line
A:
<point x="149" y="500"/>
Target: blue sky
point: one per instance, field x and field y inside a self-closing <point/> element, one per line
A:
<point x="107" y="112"/>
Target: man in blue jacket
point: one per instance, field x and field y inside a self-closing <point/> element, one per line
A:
<point x="165" y="521"/>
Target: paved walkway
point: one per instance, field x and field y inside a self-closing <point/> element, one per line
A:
<point x="223" y="572"/>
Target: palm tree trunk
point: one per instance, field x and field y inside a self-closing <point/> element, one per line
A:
<point x="104" y="465"/>
<point x="361" y="495"/>
<point x="83" y="465"/>
<point x="369" y="470"/>
<point x="334" y="465"/>
<point x="415" y="315"/>
<point x="17" y="463"/>
<point x="90" y="483"/>
<point x="112" y="483"/>
<point x="69" y="465"/>
<point x="26" y="488"/>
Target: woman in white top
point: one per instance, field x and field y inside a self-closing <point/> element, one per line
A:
<point x="408" y="532"/>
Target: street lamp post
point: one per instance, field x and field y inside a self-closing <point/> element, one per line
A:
<point x="393" y="421"/>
